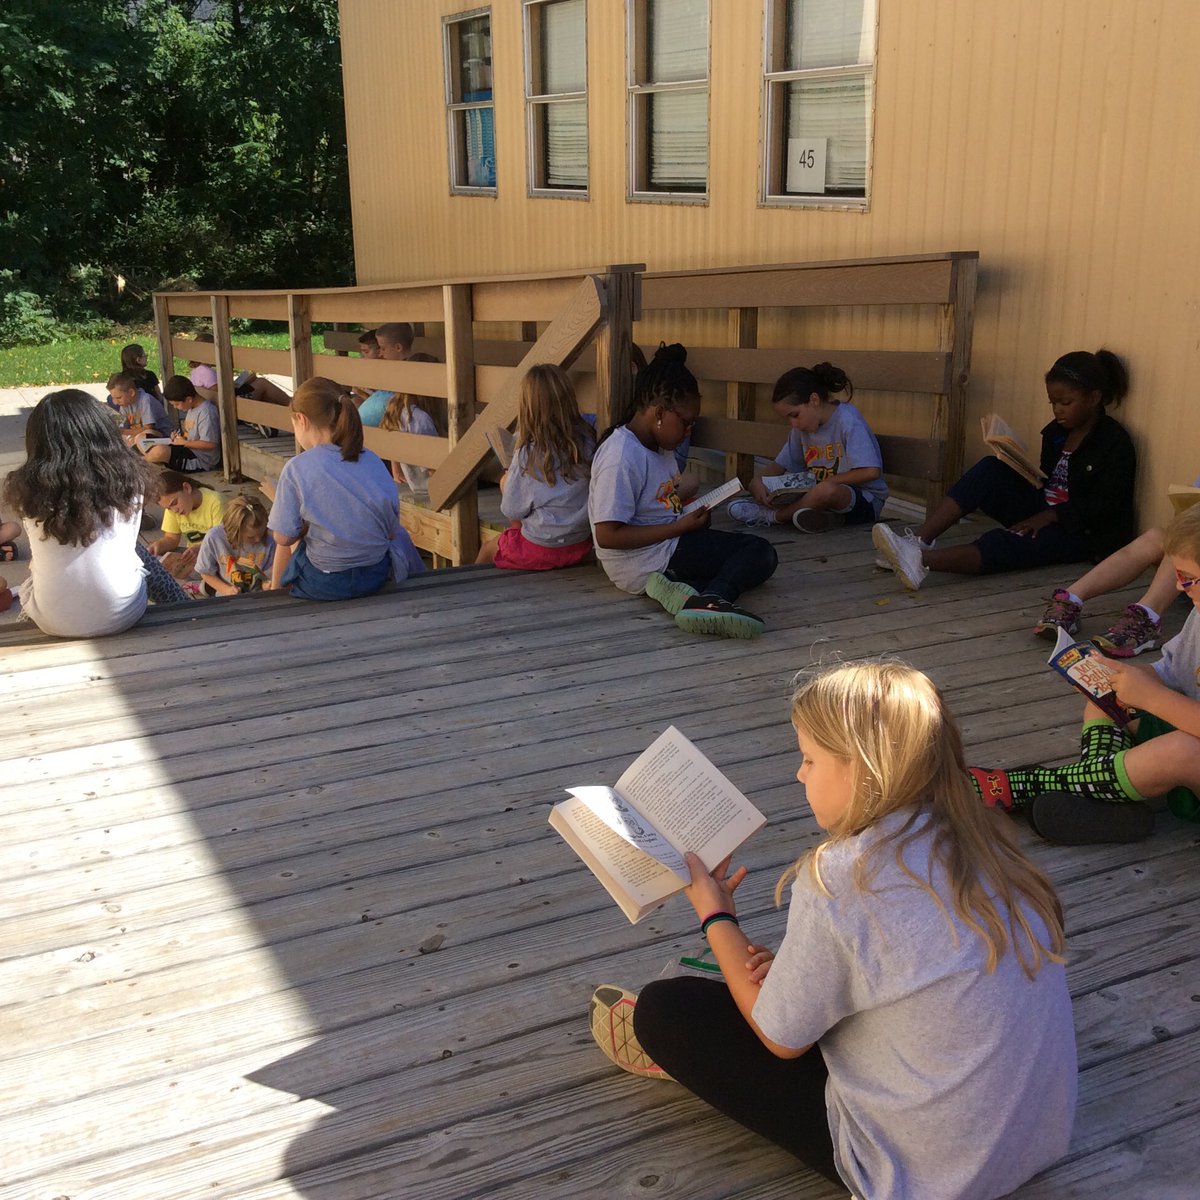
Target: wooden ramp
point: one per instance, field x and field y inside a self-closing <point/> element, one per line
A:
<point x="282" y="916"/>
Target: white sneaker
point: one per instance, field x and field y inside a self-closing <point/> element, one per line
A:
<point x="750" y="512"/>
<point x="883" y="564"/>
<point x="903" y="552"/>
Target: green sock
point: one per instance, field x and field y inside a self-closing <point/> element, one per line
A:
<point x="1100" y="778"/>
<point x="1102" y="738"/>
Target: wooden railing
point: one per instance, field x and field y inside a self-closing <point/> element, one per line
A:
<point x="588" y="321"/>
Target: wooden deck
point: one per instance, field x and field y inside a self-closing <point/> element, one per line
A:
<point x="282" y="915"/>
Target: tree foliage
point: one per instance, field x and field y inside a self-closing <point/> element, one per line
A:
<point x="167" y="141"/>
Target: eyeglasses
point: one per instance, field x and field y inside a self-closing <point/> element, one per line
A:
<point x="688" y="426"/>
<point x="1184" y="583"/>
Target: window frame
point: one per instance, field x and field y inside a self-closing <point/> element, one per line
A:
<point x="536" y="101"/>
<point x="637" y="132"/>
<point x="456" y="153"/>
<point x="775" y="85"/>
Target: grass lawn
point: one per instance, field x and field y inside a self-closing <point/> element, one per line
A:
<point x="92" y="360"/>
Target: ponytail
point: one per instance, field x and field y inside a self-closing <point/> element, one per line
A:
<point x="665" y="380"/>
<point x="1101" y="372"/>
<point x="803" y="382"/>
<point x="329" y="406"/>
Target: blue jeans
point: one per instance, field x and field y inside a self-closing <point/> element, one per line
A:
<point x="311" y="583"/>
<point x="995" y="489"/>
<point x="723" y="564"/>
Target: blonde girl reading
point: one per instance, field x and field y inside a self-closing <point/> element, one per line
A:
<point x="236" y="555"/>
<point x="912" y="1039"/>
<point x="545" y="490"/>
<point x="408" y="414"/>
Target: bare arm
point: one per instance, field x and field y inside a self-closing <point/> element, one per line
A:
<point x="616" y="535"/>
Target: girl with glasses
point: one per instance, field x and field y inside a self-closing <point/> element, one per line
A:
<point x="644" y="540"/>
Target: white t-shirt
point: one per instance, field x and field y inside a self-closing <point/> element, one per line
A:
<point x="85" y="591"/>
<point x="945" y="1082"/>
<point x="635" y="486"/>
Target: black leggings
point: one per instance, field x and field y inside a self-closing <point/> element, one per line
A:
<point x="718" y="563"/>
<point x="693" y="1030"/>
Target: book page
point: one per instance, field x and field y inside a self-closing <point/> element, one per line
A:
<point x="718" y="495"/>
<point x="607" y="805"/>
<point x="627" y="873"/>
<point x="691" y="803"/>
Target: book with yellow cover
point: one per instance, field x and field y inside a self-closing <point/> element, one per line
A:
<point x="1182" y="496"/>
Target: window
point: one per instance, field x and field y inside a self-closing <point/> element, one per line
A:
<point x="556" y="94"/>
<point x="820" y="63"/>
<point x="668" y="97"/>
<point x="469" y="109"/>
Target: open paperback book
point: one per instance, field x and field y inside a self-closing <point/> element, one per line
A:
<point x="783" y="489"/>
<point x="1084" y="667"/>
<point x="718" y="495"/>
<point x="633" y="836"/>
<point x="503" y="442"/>
<point x="1003" y="442"/>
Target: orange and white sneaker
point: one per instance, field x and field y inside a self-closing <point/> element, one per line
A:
<point x="610" y="1015"/>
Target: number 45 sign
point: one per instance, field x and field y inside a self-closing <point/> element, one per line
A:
<point x="806" y="164"/>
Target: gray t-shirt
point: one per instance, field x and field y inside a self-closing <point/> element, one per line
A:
<point x="844" y="442"/>
<point x="1179" y="667"/>
<point x="945" y="1082"/>
<point x="549" y="516"/>
<point x="203" y="424"/>
<point x="148" y="410"/>
<point x="635" y="486"/>
<point x="352" y="508"/>
<point x="244" y="568"/>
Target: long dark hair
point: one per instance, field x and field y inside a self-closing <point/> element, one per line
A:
<point x="78" y="472"/>
<point x="1101" y="372"/>
<point x="664" y="380"/>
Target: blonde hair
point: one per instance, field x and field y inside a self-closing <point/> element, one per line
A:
<point x="329" y="406"/>
<point x="891" y="724"/>
<point x="1183" y="535"/>
<point x="550" y="424"/>
<point x="244" y="516"/>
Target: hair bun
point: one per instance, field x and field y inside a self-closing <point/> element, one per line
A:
<point x="831" y="377"/>
<point x="675" y="352"/>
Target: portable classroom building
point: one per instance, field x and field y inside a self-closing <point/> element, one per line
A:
<point x="1055" y="139"/>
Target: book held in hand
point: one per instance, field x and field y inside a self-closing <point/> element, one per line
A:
<point x="1003" y="442"/>
<point x="503" y="443"/>
<point x="633" y="837"/>
<point x="718" y="495"/>
<point x="1182" y="496"/>
<point x="783" y="489"/>
<point x="1084" y="667"/>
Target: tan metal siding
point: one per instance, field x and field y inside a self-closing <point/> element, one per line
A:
<point x="1055" y="139"/>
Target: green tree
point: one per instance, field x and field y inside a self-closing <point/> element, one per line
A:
<point x="162" y="141"/>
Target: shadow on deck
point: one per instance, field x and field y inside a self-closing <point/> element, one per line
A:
<point x="283" y="916"/>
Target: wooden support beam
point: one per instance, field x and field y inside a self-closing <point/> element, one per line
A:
<point x="460" y="414"/>
<point x="162" y="337"/>
<point x="231" y="450"/>
<point x="300" y="338"/>
<point x="958" y="318"/>
<point x="561" y="343"/>
<point x="739" y="396"/>
<point x="614" y="342"/>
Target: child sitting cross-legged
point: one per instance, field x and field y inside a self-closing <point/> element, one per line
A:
<point x="189" y="512"/>
<point x="830" y="440"/>
<point x="197" y="444"/>
<point x="912" y="1038"/>
<point x="1102" y="797"/>
<point x="142" y="415"/>
<point x="237" y="554"/>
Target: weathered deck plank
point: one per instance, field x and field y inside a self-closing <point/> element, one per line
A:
<point x="226" y="838"/>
